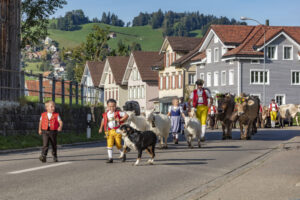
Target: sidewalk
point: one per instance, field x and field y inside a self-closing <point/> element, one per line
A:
<point x="278" y="177"/>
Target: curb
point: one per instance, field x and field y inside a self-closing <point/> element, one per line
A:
<point x="39" y="148"/>
<point x="212" y="185"/>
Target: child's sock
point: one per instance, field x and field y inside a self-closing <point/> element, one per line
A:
<point x="121" y="153"/>
<point x="176" y="136"/>
<point x="109" y="152"/>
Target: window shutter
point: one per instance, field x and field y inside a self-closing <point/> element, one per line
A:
<point x="164" y="83"/>
<point x="159" y="83"/>
<point x="170" y="82"/>
<point x="165" y="60"/>
<point x="176" y="84"/>
<point x="117" y="95"/>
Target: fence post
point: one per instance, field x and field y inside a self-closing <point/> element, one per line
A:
<point x="62" y="91"/>
<point x="71" y="93"/>
<point x="76" y="92"/>
<point x="41" y="88"/>
<point x="53" y="88"/>
<point x="81" y="93"/>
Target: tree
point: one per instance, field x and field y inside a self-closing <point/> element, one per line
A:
<point x="135" y="47"/>
<point x="157" y="19"/>
<point x="70" y="71"/>
<point x="122" y="49"/>
<point x="35" y="16"/>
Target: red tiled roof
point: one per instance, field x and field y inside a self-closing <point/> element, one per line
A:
<point x="144" y="61"/>
<point x="183" y="43"/>
<point x="199" y="56"/>
<point x="33" y="87"/>
<point x="96" y="69"/>
<point x="118" y="66"/>
<point x="188" y="56"/>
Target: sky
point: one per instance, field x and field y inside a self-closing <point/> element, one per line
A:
<point x="279" y="12"/>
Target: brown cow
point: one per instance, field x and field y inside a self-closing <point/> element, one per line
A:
<point x="288" y="112"/>
<point x="226" y="106"/>
<point x="247" y="113"/>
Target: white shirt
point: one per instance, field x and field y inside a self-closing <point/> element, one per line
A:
<point x="200" y="93"/>
<point x="273" y="107"/>
<point x="50" y="115"/>
<point x="175" y="108"/>
<point x="111" y="122"/>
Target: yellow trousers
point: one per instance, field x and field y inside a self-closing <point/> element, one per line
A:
<point x="273" y="115"/>
<point x="201" y="113"/>
<point x="114" y="138"/>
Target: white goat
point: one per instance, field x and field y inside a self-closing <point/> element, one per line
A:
<point x="192" y="130"/>
<point x="137" y="122"/>
<point x="160" y="124"/>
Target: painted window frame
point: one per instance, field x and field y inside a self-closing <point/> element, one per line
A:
<point x="259" y="70"/>
<point x="297" y="71"/>
<point x="202" y="76"/>
<point x="179" y="80"/>
<point x="275" y="53"/>
<point x="167" y="82"/>
<point x="173" y="80"/>
<point x="223" y="79"/>
<point x="216" y="55"/>
<point x="208" y="56"/>
<point x="256" y="94"/>
<point x="216" y="80"/>
<point x="291" y="53"/>
<point x="284" y="98"/>
<point x="161" y="84"/>
<point x="193" y="75"/>
<point x="231" y="80"/>
<point x="208" y="81"/>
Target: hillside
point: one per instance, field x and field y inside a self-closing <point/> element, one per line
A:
<point x="150" y="39"/>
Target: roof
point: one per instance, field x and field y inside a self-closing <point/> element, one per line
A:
<point x="47" y="73"/>
<point x="199" y="56"/>
<point x="144" y="61"/>
<point x="188" y="56"/>
<point x="118" y="66"/>
<point x="96" y="70"/>
<point x="183" y="43"/>
<point x="33" y="88"/>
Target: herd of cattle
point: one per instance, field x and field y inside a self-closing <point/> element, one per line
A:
<point x="246" y="112"/>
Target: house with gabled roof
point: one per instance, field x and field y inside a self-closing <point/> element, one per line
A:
<point x="141" y="80"/>
<point x="111" y="79"/>
<point x="231" y="59"/>
<point x="91" y="79"/>
<point x="173" y="78"/>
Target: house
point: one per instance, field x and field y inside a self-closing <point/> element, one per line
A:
<point x="47" y="41"/>
<point x="231" y="59"/>
<point x="111" y="79"/>
<point x="112" y="35"/>
<point x="90" y="79"/>
<point x="172" y="78"/>
<point x="141" y="80"/>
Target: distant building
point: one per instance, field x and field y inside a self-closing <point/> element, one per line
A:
<point x="112" y="35"/>
<point x="47" y="41"/>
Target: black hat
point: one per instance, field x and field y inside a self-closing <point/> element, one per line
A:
<point x="199" y="82"/>
<point x="272" y="99"/>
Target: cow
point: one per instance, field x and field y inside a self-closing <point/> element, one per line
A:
<point x="226" y="106"/>
<point x="265" y="114"/>
<point x="247" y="113"/>
<point x="288" y="112"/>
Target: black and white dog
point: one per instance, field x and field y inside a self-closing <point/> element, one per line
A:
<point x="139" y="140"/>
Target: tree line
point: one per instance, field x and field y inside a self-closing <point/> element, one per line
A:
<point x="180" y="24"/>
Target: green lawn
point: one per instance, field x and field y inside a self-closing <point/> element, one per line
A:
<point x="58" y="100"/>
<point x="33" y="66"/>
<point x="150" y="39"/>
<point x="35" y="140"/>
<point x="196" y="33"/>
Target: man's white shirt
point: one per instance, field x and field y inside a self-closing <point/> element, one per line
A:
<point x="200" y="95"/>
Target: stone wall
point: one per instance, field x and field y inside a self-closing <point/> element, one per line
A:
<point x="16" y="118"/>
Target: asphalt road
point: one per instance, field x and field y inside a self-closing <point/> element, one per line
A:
<point x="178" y="172"/>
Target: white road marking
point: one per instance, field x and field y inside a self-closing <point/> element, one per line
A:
<point x="38" y="168"/>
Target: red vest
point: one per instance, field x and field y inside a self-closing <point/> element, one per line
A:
<point x="117" y="115"/>
<point x="195" y="99"/>
<point x="53" y="121"/>
<point x="214" y="109"/>
<point x="276" y="107"/>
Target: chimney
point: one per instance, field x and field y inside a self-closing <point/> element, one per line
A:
<point x="267" y="22"/>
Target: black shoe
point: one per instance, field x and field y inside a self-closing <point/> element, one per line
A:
<point x="43" y="158"/>
<point x="109" y="161"/>
<point x="176" y="141"/>
<point x="55" y="159"/>
<point x="202" y="139"/>
<point x="124" y="158"/>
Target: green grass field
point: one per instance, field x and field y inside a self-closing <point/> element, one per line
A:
<point x="150" y="39"/>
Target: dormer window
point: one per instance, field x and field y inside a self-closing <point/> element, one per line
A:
<point x="272" y="52"/>
<point x="287" y="52"/>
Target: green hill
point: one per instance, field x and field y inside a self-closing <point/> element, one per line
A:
<point x="150" y="39"/>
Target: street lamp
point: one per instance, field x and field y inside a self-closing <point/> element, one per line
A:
<point x="264" y="82"/>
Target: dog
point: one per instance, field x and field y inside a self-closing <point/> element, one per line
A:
<point x="140" y="141"/>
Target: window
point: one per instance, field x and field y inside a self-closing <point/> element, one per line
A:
<point x="255" y="62"/>
<point x="216" y="78"/>
<point x="129" y="93"/>
<point x="208" y="55"/>
<point x="138" y="92"/>
<point x="167" y="81"/>
<point x="223" y="78"/>
<point x="224" y="50"/>
<point x="295" y="77"/>
<point x="167" y="59"/>
<point x="258" y="76"/>
<point x="113" y="93"/>
<point x="280" y="99"/>
<point x="208" y="79"/>
<point x="173" y="81"/>
<point x="117" y="95"/>
<point x="287" y="52"/>
<point x="231" y="77"/>
<point x="109" y="79"/>
<point x="143" y="91"/>
<point x="202" y="76"/>
<point x="192" y="79"/>
<point x="138" y="75"/>
<point x="179" y="80"/>
<point x="134" y="93"/>
<point x="216" y="55"/>
<point x="272" y="52"/>
<point x="161" y="82"/>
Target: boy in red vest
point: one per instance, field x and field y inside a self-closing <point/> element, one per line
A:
<point x="111" y="121"/>
<point x="50" y="124"/>
<point x="200" y="97"/>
